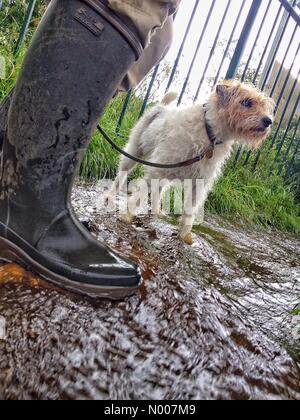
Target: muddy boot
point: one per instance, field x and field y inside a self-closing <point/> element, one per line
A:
<point x="72" y="68"/>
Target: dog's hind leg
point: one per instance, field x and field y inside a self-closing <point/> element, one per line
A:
<point x="126" y="166"/>
<point x="136" y="148"/>
<point x="125" y="169"/>
<point x="186" y="226"/>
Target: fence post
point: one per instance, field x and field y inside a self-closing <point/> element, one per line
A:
<point x="25" y="26"/>
<point x="240" y="48"/>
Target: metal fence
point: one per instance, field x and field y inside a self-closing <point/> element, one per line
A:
<point x="252" y="40"/>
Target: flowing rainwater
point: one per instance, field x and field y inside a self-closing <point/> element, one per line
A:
<point x="211" y="321"/>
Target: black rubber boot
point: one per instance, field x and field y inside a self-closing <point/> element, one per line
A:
<point x="73" y="67"/>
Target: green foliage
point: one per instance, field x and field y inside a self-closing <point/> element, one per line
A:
<point x="294" y="177"/>
<point x="261" y="197"/>
<point x="256" y="197"/>
<point x="11" y="19"/>
<point x="101" y="160"/>
<point x="296" y="310"/>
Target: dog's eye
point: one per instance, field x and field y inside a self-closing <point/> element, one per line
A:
<point x="247" y="103"/>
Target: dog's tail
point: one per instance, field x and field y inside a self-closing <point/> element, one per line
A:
<point x="169" y="98"/>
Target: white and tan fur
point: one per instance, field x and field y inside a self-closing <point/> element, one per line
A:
<point x="168" y="135"/>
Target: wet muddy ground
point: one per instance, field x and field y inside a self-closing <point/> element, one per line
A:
<point x="211" y="321"/>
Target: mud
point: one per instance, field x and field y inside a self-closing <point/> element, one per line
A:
<point x="211" y="321"/>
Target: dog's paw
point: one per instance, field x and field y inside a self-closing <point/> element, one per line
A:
<point x="126" y="218"/>
<point x="187" y="238"/>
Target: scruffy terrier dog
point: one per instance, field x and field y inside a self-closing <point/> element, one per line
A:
<point x="235" y="112"/>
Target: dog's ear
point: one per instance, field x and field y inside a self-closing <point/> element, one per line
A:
<point x="223" y="93"/>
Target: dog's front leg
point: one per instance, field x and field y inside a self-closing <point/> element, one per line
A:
<point x="189" y="213"/>
<point x="185" y="229"/>
<point x="195" y="197"/>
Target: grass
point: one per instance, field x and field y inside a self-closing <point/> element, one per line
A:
<point x="11" y="18"/>
<point x="101" y="161"/>
<point x="296" y="311"/>
<point x="258" y="198"/>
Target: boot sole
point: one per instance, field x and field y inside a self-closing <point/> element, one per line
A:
<point x="9" y="252"/>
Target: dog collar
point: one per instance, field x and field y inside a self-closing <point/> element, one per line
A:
<point x="211" y="136"/>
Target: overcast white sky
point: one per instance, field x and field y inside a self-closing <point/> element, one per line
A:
<point x="202" y="12"/>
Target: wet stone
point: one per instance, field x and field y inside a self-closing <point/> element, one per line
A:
<point x="211" y="321"/>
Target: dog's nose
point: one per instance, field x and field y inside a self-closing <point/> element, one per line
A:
<point x="267" y="122"/>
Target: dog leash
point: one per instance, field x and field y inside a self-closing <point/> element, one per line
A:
<point x="208" y="152"/>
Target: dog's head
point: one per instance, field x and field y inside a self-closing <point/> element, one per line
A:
<point x="245" y="112"/>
